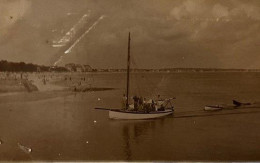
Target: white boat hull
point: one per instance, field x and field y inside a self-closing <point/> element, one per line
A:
<point x="212" y="108"/>
<point x="137" y="115"/>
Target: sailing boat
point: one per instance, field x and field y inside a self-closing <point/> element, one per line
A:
<point x="162" y="107"/>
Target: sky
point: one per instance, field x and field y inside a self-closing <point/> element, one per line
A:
<point x="164" y="34"/>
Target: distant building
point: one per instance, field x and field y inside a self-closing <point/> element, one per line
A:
<point x="71" y="67"/>
<point x="52" y="68"/>
<point x="79" y="68"/>
<point x="39" y="69"/>
<point x="87" y="68"/>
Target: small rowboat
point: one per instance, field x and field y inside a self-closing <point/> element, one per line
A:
<point x="213" y="108"/>
<point x="235" y="105"/>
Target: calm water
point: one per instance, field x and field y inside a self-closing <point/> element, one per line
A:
<point x="58" y="126"/>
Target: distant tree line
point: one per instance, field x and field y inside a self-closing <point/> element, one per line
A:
<point x="27" y="67"/>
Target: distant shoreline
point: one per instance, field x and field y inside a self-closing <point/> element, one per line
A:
<point x="138" y="71"/>
<point x="21" y="67"/>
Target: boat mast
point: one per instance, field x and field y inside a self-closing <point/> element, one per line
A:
<point x="128" y="69"/>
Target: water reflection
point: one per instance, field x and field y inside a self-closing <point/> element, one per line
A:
<point x="134" y="132"/>
<point x="127" y="148"/>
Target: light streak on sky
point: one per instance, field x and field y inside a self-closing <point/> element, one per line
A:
<point x="78" y="40"/>
<point x="71" y="33"/>
<point x="86" y="32"/>
<point x="58" y="61"/>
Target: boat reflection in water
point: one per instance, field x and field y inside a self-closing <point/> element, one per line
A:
<point x="133" y="132"/>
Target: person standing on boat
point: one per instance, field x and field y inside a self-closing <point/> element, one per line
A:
<point x="124" y="102"/>
<point x="141" y="102"/>
<point x="159" y="98"/>
<point x="136" y="99"/>
<point x="145" y="105"/>
<point x="153" y="106"/>
<point x="158" y="102"/>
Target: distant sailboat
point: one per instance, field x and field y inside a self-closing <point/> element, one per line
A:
<point x="165" y="106"/>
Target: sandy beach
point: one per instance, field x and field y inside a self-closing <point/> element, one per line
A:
<point x="10" y="82"/>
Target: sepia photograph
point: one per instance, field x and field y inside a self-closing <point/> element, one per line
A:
<point x="129" y="80"/>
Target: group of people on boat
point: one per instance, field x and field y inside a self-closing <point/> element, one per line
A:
<point x="143" y="105"/>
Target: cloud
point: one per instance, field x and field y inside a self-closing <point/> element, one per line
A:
<point x="189" y="9"/>
<point x="246" y="10"/>
<point x="202" y="10"/>
<point x="215" y="33"/>
<point x="219" y="11"/>
<point x="213" y="20"/>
